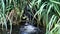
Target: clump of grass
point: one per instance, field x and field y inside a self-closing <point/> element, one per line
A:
<point x="47" y="12"/>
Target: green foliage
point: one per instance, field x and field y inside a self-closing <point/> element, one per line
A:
<point x="47" y="10"/>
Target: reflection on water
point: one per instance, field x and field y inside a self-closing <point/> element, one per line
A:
<point x="29" y="29"/>
<point x="25" y="29"/>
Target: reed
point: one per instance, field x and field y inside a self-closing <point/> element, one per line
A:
<point x="47" y="12"/>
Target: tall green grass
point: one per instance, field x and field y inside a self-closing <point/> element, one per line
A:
<point x="47" y="10"/>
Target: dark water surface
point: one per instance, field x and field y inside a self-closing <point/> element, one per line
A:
<point x="24" y="29"/>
